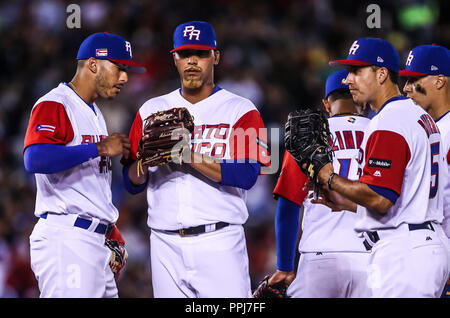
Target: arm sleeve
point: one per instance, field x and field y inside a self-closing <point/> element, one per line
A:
<point x="291" y="181"/>
<point x="248" y="139"/>
<point x="49" y="124"/>
<point x="50" y="158"/>
<point x="240" y="175"/>
<point x="130" y="186"/>
<point x="287" y="219"/>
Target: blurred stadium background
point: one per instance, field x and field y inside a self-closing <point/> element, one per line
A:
<point x="273" y="52"/>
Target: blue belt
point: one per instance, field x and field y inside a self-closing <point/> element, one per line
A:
<point x="85" y="224"/>
<point x="374" y="237"/>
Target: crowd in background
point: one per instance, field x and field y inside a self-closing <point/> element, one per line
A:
<point x="275" y="53"/>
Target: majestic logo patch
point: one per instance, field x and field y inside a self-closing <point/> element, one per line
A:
<point x="379" y="163"/>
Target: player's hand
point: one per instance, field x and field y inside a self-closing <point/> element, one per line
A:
<point x="114" y="145"/>
<point x="330" y="198"/>
<point x="282" y="276"/>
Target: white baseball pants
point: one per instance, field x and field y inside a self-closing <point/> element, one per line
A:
<point x="70" y="262"/>
<point x="208" y="265"/>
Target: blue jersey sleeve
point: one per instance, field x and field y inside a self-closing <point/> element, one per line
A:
<point x="239" y="174"/>
<point x="287" y="219"/>
<point x="52" y="158"/>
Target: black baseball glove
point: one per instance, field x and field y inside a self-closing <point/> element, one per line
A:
<point x="264" y="290"/>
<point x="307" y="139"/>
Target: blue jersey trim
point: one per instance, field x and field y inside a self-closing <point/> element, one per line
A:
<point x="90" y="106"/>
<point x="448" y="112"/>
<point x="215" y="90"/>
<point x="393" y="99"/>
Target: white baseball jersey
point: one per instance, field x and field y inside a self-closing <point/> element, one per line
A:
<point x="326" y="230"/>
<point x="401" y="156"/>
<point x="443" y="124"/>
<point x="178" y="196"/>
<point x="62" y="117"/>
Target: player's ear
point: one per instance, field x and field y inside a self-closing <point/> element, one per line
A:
<point x="326" y="105"/>
<point x="175" y="57"/>
<point x="382" y="75"/>
<point x="93" y="65"/>
<point x="440" y="82"/>
<point x="216" y="57"/>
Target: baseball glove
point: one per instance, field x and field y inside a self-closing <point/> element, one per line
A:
<point x="307" y="136"/>
<point x="263" y="290"/>
<point x="119" y="255"/>
<point x="168" y="137"/>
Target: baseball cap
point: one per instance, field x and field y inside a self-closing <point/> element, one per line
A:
<point x="336" y="81"/>
<point x="198" y="35"/>
<point x="371" y="51"/>
<point x="427" y="60"/>
<point x="108" y="46"/>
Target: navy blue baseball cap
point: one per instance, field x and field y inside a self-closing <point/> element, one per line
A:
<point x="108" y="46"/>
<point x="427" y="60"/>
<point x="371" y="51"/>
<point x="197" y="35"/>
<point x="336" y="81"/>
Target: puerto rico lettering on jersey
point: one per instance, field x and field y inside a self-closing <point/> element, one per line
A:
<point x="208" y="139"/>
<point x="104" y="164"/>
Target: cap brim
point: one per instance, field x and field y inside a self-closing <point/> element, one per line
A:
<point x="193" y="46"/>
<point x="410" y="73"/>
<point x="348" y="62"/>
<point x="133" y="66"/>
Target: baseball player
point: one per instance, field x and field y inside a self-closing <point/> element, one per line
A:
<point x="330" y="249"/>
<point x="427" y="70"/>
<point x="196" y="209"/>
<point x="68" y="148"/>
<point x="398" y="197"/>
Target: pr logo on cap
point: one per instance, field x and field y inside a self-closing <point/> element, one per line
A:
<point x="409" y="59"/>
<point x="427" y="60"/>
<point x="371" y="51"/>
<point x="197" y="35"/>
<point x="190" y="29"/>
<point x="354" y="48"/>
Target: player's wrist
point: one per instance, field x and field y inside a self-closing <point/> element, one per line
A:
<point x="330" y="180"/>
<point x="325" y="173"/>
<point x="101" y="149"/>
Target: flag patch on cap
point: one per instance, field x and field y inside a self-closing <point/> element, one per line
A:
<point x="101" y="52"/>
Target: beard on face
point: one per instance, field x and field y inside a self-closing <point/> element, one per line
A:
<point x="103" y="86"/>
<point x="192" y="83"/>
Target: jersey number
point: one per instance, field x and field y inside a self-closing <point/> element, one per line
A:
<point x="344" y="169"/>
<point x="434" y="169"/>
